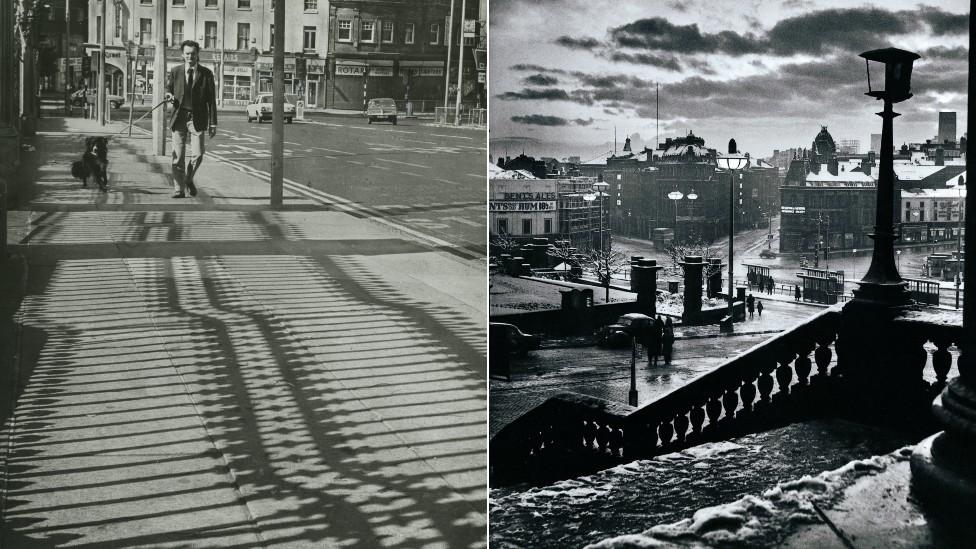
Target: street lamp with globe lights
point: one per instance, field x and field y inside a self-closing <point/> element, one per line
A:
<point x="731" y="162"/>
<point x="598" y="192"/>
<point x="675" y="196"/>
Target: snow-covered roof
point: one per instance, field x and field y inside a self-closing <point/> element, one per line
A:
<point x="915" y="172"/>
<point x="934" y="193"/>
<point x="759" y="163"/>
<point x="498" y="173"/>
<point x="681" y="150"/>
<point x="843" y="177"/>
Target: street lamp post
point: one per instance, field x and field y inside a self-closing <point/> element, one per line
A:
<point x="731" y="162"/>
<point x="675" y="196"/>
<point x="882" y="284"/>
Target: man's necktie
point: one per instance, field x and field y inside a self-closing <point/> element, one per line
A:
<point x="189" y="79"/>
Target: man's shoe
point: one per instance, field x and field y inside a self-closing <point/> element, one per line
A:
<point x="178" y="195"/>
<point x="191" y="188"/>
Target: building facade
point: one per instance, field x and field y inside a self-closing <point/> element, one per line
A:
<point x="947" y="127"/>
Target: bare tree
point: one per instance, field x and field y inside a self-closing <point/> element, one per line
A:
<point x="504" y="242"/>
<point x="693" y="245"/>
<point x="606" y="263"/>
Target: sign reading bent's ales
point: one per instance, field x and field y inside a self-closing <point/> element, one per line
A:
<point x="513" y="206"/>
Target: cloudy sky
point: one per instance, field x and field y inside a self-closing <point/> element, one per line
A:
<point x="564" y="73"/>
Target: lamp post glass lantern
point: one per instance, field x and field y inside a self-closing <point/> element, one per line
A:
<point x="731" y="162"/>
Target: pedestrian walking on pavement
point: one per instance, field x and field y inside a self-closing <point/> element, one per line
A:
<point x="667" y="341"/>
<point x="759" y="307"/>
<point x="762" y="287"/>
<point x="654" y="341"/>
<point x="769" y="285"/>
<point x="190" y="86"/>
<point x="751" y="305"/>
<point x="796" y="293"/>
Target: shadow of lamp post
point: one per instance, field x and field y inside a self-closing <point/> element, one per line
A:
<point x="731" y="162"/>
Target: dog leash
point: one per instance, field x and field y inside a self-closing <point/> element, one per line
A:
<point x="127" y="126"/>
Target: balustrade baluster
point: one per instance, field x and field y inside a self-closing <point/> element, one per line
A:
<point x="680" y="427"/>
<point x="697" y="420"/>
<point x="802" y="364"/>
<point x="665" y="431"/>
<point x="730" y="400"/>
<point x="784" y="374"/>
<point x="603" y="437"/>
<point x="616" y="441"/>
<point x="823" y="354"/>
<point x="589" y="434"/>
<point x="941" y="362"/>
<point x="713" y="409"/>
<point x="765" y="385"/>
<point x="747" y="393"/>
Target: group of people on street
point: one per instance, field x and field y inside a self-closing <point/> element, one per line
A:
<point x="660" y="341"/>
<point x="766" y="283"/>
<point x="753" y="305"/>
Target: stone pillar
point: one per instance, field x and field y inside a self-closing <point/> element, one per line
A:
<point x="643" y="280"/>
<point x="944" y="465"/>
<point x="634" y="260"/>
<point x="692" y="265"/>
<point x="716" y="267"/>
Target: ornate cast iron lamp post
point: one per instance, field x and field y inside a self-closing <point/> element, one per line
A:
<point x="731" y="162"/>
<point x="882" y="283"/>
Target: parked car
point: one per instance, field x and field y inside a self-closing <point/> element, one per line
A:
<point x="381" y="109"/>
<point x="260" y="109"/>
<point x="627" y="326"/>
<point x="767" y="254"/>
<point x="519" y="343"/>
<point x="79" y="98"/>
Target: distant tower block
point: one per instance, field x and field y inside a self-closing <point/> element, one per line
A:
<point x="850" y="146"/>
<point x="947" y="127"/>
<point x="876" y="142"/>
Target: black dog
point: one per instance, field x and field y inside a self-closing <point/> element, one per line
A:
<point x="94" y="163"/>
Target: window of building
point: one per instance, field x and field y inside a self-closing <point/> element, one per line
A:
<point x="145" y="2"/>
<point x="98" y="28"/>
<point x="526" y="226"/>
<point x="243" y="4"/>
<point x="308" y="39"/>
<point x="243" y="35"/>
<point x="502" y="226"/>
<point x="145" y="31"/>
<point x="179" y="3"/>
<point x="177" y="33"/>
<point x="210" y="4"/>
<point x="367" y="30"/>
<point x="408" y="33"/>
<point x="210" y="34"/>
<point x="345" y="30"/>
<point x="271" y="37"/>
<point x="435" y="33"/>
<point x="387" y="33"/>
<point x="547" y="223"/>
<point x="311" y="5"/>
<point x="118" y="22"/>
<point x="237" y="87"/>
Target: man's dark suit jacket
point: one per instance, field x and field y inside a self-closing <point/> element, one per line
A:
<point x="204" y="95"/>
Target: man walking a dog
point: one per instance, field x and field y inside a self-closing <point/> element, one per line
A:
<point x="191" y="88"/>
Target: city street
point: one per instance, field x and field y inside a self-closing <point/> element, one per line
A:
<point x="605" y="373"/>
<point x="425" y="180"/>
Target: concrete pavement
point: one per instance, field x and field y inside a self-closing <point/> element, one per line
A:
<point x="207" y="372"/>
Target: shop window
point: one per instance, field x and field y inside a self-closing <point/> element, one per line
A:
<point x="177" y="32"/>
<point x="367" y="31"/>
<point x="243" y="35"/>
<point x="408" y="33"/>
<point x="435" y="34"/>
<point x="526" y="226"/>
<point x="210" y="34"/>
<point x="387" y="33"/>
<point x="308" y="41"/>
<point x="548" y="225"/>
<point x="237" y="88"/>
<point x="345" y="30"/>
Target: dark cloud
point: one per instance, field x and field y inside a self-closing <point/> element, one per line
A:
<point x="540" y="120"/>
<point x="540" y="80"/>
<point x="960" y="53"/>
<point x="853" y="29"/>
<point x="532" y="68"/>
<point x="583" y="97"/>
<point x="798" y="4"/>
<point x="680" y="5"/>
<point x="581" y="122"/>
<point x="664" y="62"/>
<point x="944" y="22"/>
<point x="586" y="43"/>
<point x="657" y="33"/>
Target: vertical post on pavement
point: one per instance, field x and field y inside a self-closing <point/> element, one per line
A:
<point x="159" y="82"/>
<point x="457" y="105"/>
<point x="448" y="33"/>
<point x="67" y="60"/>
<point x="100" y="88"/>
<point x="278" y="108"/>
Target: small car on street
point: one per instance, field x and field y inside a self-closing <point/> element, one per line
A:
<point x="260" y="109"/>
<point x="627" y="326"/>
<point x="518" y="343"/>
<point x="381" y="109"/>
<point x="80" y="97"/>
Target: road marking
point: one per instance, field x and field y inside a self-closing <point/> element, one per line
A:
<point x="251" y="136"/>
<point x="464" y="221"/>
<point x="414" y="174"/>
<point x="356" y="162"/>
<point x="404" y="163"/>
<point x="447" y="181"/>
<point x="333" y="150"/>
<point x="402" y="131"/>
<point x="475" y="175"/>
<point x="419" y="141"/>
<point x="380" y="167"/>
<point x="451" y="136"/>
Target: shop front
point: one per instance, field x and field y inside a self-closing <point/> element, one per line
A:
<point x="348" y="90"/>
<point x="421" y="83"/>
